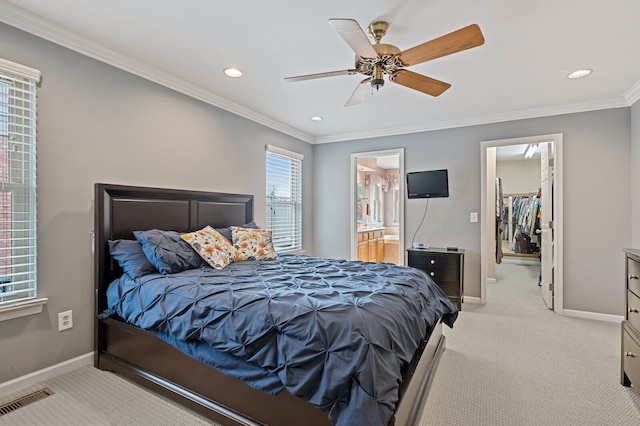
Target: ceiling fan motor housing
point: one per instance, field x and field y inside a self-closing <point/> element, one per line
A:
<point x="387" y="61"/>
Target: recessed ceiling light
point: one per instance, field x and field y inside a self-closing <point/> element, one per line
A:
<point x="315" y="118"/>
<point x="580" y="73"/>
<point x="232" y="72"/>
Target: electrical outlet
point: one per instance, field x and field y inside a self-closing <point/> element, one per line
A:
<point x="65" y="320"/>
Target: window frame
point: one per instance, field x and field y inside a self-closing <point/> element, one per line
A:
<point x="287" y="235"/>
<point x="18" y="104"/>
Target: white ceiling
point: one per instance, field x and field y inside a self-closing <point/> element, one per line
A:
<point x="520" y="71"/>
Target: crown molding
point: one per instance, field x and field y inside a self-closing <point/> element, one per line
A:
<point x="633" y="94"/>
<point x="33" y="24"/>
<point x="475" y="121"/>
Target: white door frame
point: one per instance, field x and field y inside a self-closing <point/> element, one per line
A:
<point x="487" y="230"/>
<point x="354" y="214"/>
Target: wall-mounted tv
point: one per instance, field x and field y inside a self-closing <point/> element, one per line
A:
<point x="428" y="184"/>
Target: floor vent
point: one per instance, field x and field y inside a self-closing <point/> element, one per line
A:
<point x="24" y="400"/>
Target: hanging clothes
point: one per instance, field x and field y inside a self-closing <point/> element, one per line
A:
<point x="524" y="216"/>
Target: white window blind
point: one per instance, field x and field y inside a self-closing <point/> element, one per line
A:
<point x="284" y="198"/>
<point x="17" y="182"/>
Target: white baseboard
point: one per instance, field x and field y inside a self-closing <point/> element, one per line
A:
<point x="475" y="300"/>
<point x="592" y="315"/>
<point x="39" y="376"/>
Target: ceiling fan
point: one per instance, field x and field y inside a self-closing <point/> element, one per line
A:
<point x="375" y="60"/>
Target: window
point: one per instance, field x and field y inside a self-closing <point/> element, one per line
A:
<point x="377" y="202"/>
<point x="284" y="198"/>
<point x="17" y="183"/>
<point x="396" y="205"/>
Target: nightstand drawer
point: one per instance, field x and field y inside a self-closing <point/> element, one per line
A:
<point x="442" y="275"/>
<point x="633" y="275"/>
<point x="438" y="267"/>
<point x="631" y="354"/>
<point x="633" y="309"/>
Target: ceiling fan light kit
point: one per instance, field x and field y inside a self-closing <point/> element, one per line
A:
<point x="376" y="60"/>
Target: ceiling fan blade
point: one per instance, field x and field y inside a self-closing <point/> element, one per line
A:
<point x="352" y="33"/>
<point x="320" y="75"/>
<point x="359" y="94"/>
<point x="462" y="39"/>
<point x="419" y="82"/>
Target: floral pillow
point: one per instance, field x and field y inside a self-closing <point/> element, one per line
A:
<point x="252" y="244"/>
<point x="215" y="249"/>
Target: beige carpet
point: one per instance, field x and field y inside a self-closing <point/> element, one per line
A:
<point x="88" y="396"/>
<point x="509" y="362"/>
<point x="514" y="362"/>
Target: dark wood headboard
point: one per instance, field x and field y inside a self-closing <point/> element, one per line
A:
<point x="120" y="210"/>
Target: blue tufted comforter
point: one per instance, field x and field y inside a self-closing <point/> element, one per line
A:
<point x="335" y="333"/>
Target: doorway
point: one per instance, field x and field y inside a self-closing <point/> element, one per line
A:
<point x="377" y="206"/>
<point x="551" y="229"/>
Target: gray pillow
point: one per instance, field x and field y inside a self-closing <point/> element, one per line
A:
<point x="167" y="251"/>
<point x="130" y="257"/>
<point x="226" y="232"/>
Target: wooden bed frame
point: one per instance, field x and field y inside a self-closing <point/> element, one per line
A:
<point x="142" y="357"/>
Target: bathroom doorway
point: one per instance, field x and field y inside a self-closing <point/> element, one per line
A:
<point x="377" y="206"/>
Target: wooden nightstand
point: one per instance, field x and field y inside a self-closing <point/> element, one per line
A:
<point x="445" y="267"/>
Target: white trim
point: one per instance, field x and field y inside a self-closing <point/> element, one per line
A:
<point x="38" y="26"/>
<point x="475" y="121"/>
<point x="473" y="300"/>
<point x="593" y="316"/>
<point x="19" y="70"/>
<point x="485" y="235"/>
<point x="33" y="24"/>
<point x="22" y="309"/>
<point x="45" y="374"/>
<point x="285" y="152"/>
<point x="354" y="225"/>
<point x="633" y="94"/>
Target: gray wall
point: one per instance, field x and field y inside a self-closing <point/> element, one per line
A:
<point x="597" y="207"/>
<point x="100" y="124"/>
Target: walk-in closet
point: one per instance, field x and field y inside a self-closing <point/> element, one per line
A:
<point x="518" y="207"/>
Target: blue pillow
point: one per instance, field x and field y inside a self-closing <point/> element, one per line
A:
<point x="167" y="251"/>
<point x="226" y="232"/>
<point x="130" y="257"/>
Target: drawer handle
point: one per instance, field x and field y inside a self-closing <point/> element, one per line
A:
<point x="633" y="276"/>
<point x="433" y="274"/>
<point x="630" y="354"/>
<point x="633" y="311"/>
<point x="433" y="262"/>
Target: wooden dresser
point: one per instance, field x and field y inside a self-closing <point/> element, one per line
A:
<point x="630" y="351"/>
<point x="445" y="267"/>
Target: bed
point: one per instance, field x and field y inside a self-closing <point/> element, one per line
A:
<point x="162" y="363"/>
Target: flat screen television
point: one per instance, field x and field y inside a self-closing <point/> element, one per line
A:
<point x="428" y="184"/>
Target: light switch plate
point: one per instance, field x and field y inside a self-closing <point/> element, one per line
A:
<point x="473" y="217"/>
